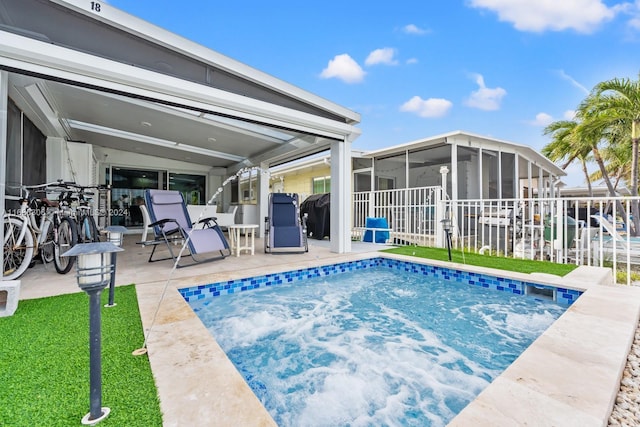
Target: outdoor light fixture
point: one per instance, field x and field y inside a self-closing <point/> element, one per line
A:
<point x="115" y="235"/>
<point x="446" y="224"/>
<point x="94" y="268"/>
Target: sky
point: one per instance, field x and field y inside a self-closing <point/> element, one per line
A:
<point x="416" y="69"/>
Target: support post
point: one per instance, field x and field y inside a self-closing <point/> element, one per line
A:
<point x="341" y="196"/>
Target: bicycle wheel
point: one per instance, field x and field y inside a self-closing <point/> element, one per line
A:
<point x="67" y="238"/>
<point x="88" y="230"/>
<point x="46" y="248"/>
<point x="17" y="254"/>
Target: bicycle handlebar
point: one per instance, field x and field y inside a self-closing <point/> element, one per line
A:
<point x="25" y="190"/>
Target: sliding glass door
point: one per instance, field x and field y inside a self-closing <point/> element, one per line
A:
<point x="128" y="186"/>
<point x="127" y="193"/>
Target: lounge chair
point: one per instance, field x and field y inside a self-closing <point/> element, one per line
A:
<point x="285" y="231"/>
<point x="170" y="222"/>
<point x="615" y="245"/>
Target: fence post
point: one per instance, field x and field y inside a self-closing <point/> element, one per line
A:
<point x="441" y="203"/>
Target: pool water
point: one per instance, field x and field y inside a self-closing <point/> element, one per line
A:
<point x="372" y="347"/>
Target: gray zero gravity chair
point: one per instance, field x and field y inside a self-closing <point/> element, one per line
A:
<point x="285" y="231"/>
<point x="171" y="223"/>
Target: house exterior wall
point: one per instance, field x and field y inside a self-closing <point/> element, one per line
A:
<point x="301" y="182"/>
<point x="70" y="161"/>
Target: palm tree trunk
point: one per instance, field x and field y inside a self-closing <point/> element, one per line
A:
<point x="586" y="175"/>
<point x="607" y="181"/>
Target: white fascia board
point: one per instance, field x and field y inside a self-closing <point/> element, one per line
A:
<point x="157" y="35"/>
<point x="31" y="55"/>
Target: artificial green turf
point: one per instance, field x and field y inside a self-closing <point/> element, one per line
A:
<point x="498" y="262"/>
<point x="44" y="363"/>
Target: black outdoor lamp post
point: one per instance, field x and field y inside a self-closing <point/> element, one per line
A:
<point x="446" y="224"/>
<point x="115" y="235"/>
<point x="94" y="268"/>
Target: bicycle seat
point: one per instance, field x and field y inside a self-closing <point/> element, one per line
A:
<point x="49" y="203"/>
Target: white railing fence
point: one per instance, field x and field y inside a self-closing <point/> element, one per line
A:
<point x="584" y="231"/>
<point x="412" y="213"/>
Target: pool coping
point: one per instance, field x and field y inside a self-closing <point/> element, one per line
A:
<point x="569" y="376"/>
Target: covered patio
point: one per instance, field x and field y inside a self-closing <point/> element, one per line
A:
<point x="99" y="87"/>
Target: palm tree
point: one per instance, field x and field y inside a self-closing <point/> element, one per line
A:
<point x="575" y="139"/>
<point x="612" y="104"/>
<point x="564" y="147"/>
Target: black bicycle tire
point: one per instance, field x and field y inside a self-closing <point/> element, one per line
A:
<point x="68" y="231"/>
<point x="17" y="261"/>
<point x="47" y="250"/>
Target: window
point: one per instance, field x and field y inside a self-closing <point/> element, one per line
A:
<point x="386" y="183"/>
<point x="191" y="186"/>
<point x="25" y="152"/>
<point x="322" y="185"/>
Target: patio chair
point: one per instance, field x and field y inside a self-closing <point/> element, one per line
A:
<point x="376" y="230"/>
<point x="580" y="252"/>
<point x="146" y="221"/>
<point x="225" y="219"/>
<point x="285" y="230"/>
<point x="615" y="244"/>
<point x="170" y="222"/>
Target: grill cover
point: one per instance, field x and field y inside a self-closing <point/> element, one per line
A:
<point x="318" y="208"/>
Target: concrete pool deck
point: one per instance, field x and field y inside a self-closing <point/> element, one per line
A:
<point x="569" y="376"/>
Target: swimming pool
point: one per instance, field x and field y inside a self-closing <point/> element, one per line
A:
<point x="372" y="374"/>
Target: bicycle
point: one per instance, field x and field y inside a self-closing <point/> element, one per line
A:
<point x="66" y="235"/>
<point x="25" y="234"/>
<point x="87" y="227"/>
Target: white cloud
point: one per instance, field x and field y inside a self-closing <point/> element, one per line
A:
<point x="569" y="115"/>
<point x="485" y="98"/>
<point x="343" y="67"/>
<point x="413" y="29"/>
<point x="542" y="119"/>
<point x="634" y="23"/>
<point x="428" y="108"/>
<point x="412" y="61"/>
<point x="583" y="16"/>
<point x="382" y="56"/>
<point x="634" y="11"/>
<point x="573" y="82"/>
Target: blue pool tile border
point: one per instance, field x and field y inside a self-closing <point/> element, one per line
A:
<point x="562" y="296"/>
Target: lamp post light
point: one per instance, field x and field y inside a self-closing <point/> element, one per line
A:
<point x="446" y="224"/>
<point x="94" y="268"/>
<point x="115" y="235"/>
